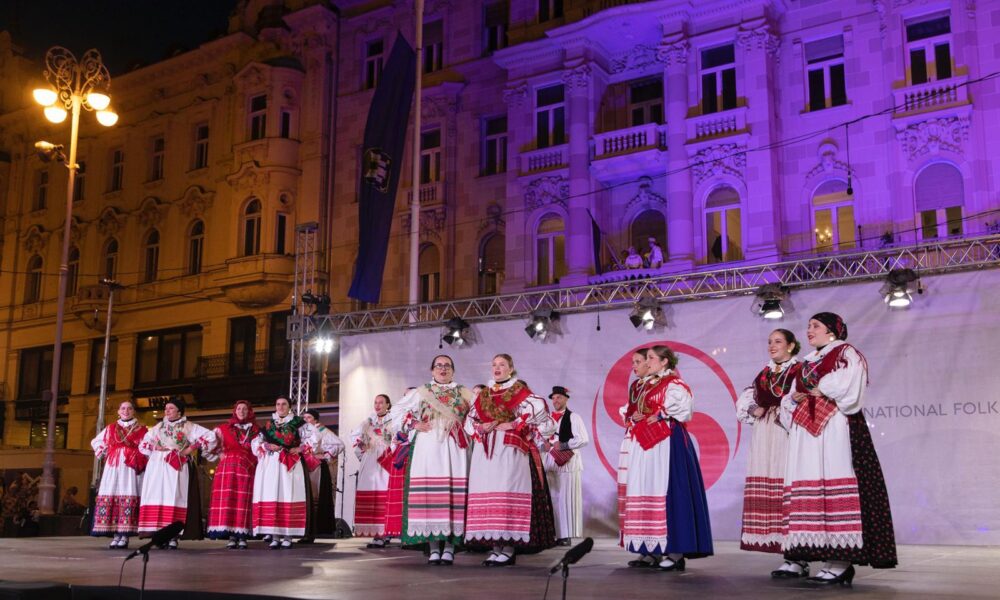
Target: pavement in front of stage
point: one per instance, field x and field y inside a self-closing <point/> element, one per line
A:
<point x="346" y="569"/>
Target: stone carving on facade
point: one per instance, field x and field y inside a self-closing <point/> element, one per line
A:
<point x="638" y="58"/>
<point x="494" y="219"/>
<point x="645" y="196"/>
<point x="151" y="212"/>
<point x="758" y="37"/>
<point x="721" y="159"/>
<point x="432" y="221"/>
<point x="248" y="177"/>
<point x="438" y="107"/>
<point x="879" y="7"/>
<point x="76" y="230"/>
<point x="251" y="77"/>
<point x="35" y="239"/>
<point x="970" y="8"/>
<point x="551" y="189"/>
<point x="195" y="202"/>
<point x="673" y="52"/>
<point x="516" y="95"/>
<point x="934" y="135"/>
<point x="577" y="77"/>
<point x="110" y="222"/>
<point x="828" y="162"/>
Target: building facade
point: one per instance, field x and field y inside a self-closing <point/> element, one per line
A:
<point x="725" y="131"/>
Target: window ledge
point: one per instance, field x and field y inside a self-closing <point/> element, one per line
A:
<point x="832" y="110"/>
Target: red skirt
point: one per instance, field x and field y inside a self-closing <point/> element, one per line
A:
<point x="232" y="497"/>
<point x="394" y="500"/>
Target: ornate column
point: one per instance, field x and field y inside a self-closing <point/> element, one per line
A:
<point x="579" y="248"/>
<point x="673" y="52"/>
<point x="517" y="249"/>
<point x="759" y="48"/>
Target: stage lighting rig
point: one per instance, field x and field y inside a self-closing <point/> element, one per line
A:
<point x="647" y="314"/>
<point x="768" y="302"/>
<point x="456" y="332"/>
<point x="320" y="303"/>
<point x="899" y="286"/>
<point x="543" y="322"/>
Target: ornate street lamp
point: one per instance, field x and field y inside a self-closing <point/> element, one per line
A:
<point x="72" y="85"/>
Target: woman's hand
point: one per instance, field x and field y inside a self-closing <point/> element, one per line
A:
<point x="653" y="418"/>
<point x="505" y="426"/>
<point x="816" y="392"/>
<point x="187" y="451"/>
<point x="297" y="450"/>
<point x="758" y="412"/>
<point x="488" y="427"/>
<point x="636" y="417"/>
<point x="272" y="447"/>
<point x="422" y="426"/>
<point x="799" y="396"/>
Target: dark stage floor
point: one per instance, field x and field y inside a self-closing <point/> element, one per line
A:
<point x="346" y="569"/>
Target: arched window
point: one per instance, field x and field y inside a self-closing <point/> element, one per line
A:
<point x="72" y="271"/>
<point x="430" y="273"/>
<point x="833" y="217"/>
<point x="151" y="256"/>
<point x="550" y="250"/>
<point x="110" y="258"/>
<point x="195" y="246"/>
<point x="33" y="282"/>
<point x="649" y="224"/>
<point x="723" y="228"/>
<point x="940" y="192"/>
<point x="251" y="228"/>
<point x="491" y="264"/>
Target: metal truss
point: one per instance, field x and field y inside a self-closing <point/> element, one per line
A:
<point x="816" y="270"/>
<point x="300" y="326"/>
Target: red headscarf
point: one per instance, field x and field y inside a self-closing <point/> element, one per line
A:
<point x="234" y="420"/>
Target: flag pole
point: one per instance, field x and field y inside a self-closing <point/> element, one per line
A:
<point x="415" y="190"/>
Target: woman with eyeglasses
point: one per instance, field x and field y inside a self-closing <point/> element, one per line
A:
<point x="432" y="417"/>
<point x="509" y="502"/>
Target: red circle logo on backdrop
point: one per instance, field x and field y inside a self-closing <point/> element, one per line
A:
<point x="713" y="444"/>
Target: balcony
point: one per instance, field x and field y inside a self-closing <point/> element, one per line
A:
<point x="625" y="275"/>
<point x="931" y="96"/>
<point x="625" y="154"/>
<point x="717" y="125"/>
<point x="89" y="298"/>
<point x="268" y="152"/>
<point x="258" y="376"/>
<point x="430" y="194"/>
<point x="258" y="281"/>
<point x="544" y="159"/>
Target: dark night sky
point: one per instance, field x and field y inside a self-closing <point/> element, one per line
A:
<point x="125" y="32"/>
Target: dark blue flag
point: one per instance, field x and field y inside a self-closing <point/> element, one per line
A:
<point x="381" y="164"/>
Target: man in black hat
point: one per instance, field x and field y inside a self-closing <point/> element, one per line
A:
<point x="564" y="467"/>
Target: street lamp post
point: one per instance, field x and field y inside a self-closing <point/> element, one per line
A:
<point x="112" y="285"/>
<point x="72" y="85"/>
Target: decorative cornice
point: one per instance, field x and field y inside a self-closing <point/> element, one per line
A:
<point x="494" y="220"/>
<point x="550" y="189"/>
<point x="639" y="57"/>
<point x="577" y="77"/>
<point x="645" y="196"/>
<point x="432" y="220"/>
<point x="720" y="159"/>
<point x="110" y="222"/>
<point x="934" y="135"/>
<point x="515" y="95"/>
<point x="247" y="177"/>
<point x="195" y="202"/>
<point x="151" y="212"/>
<point x="828" y="162"/>
<point x="673" y="52"/>
<point x="758" y="37"/>
<point x="35" y="239"/>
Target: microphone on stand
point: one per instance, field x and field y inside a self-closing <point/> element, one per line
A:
<point x="160" y="537"/>
<point x="573" y="555"/>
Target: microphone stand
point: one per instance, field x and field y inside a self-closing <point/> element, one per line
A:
<point x="145" y="561"/>
<point x="565" y="578"/>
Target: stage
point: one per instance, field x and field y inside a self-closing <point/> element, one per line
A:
<point x="346" y="569"/>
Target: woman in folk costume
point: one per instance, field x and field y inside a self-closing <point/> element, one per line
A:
<point x="836" y="507"/>
<point x="319" y="447"/>
<point x="564" y="467"/>
<point x="279" y="483"/>
<point x="231" y="511"/>
<point x="759" y="406"/>
<point x="170" y="485"/>
<point x="116" y="509"/>
<point x="509" y="503"/>
<point x="666" y="512"/>
<point x="437" y="476"/>
<point x="397" y="464"/>
<point x="636" y="390"/>
<point x="371" y="441"/>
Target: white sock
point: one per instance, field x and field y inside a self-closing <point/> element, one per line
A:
<point x="675" y="556"/>
<point x="793" y="567"/>
<point x="449" y="547"/>
<point x="837" y="567"/>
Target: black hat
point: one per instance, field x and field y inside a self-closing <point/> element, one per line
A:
<point x="834" y="323"/>
<point x="558" y="389"/>
<point x="177" y="401"/>
<point x="314" y="413"/>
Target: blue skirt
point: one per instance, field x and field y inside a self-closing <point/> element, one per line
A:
<point x="689" y="531"/>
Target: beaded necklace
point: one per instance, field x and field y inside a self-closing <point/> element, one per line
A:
<point x="780" y="380"/>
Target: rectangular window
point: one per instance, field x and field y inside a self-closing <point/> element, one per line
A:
<point x="156" y="159"/>
<point x="724" y="235"/>
<point x="286" y="124"/>
<point x="117" y="170"/>
<point x="550" y="116"/>
<point x="281" y="226"/>
<point x="834" y="228"/>
<point x="79" y="182"/>
<point x="41" y="199"/>
<point x="645" y="99"/>
<point x="35" y="371"/>
<point x="164" y="357"/>
<point x="551" y="255"/>
<point x="825" y="73"/>
<point x="433" y="46"/>
<point x="430" y="156"/>
<point x="374" y="60"/>
<point x="495" y="17"/>
<point x="39" y="434"/>
<point x="242" y="345"/>
<point x="549" y="9"/>
<point x="941" y="223"/>
<point x="258" y="117"/>
<point x="277" y="342"/>
<point x="200" y="146"/>
<point x="494" y="151"/>
<point x="718" y="79"/>
<point x="97" y="363"/>
<point x="430" y="287"/>
<point x="927" y="39"/>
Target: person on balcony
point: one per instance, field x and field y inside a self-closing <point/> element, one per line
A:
<point x="564" y="467"/>
<point x="116" y="509"/>
<point x="371" y="441"/>
<point x="634" y="259"/>
<point x="230" y="513"/>
<point x="279" y="484"/>
<point x="170" y="484"/>
<point x="654" y="256"/>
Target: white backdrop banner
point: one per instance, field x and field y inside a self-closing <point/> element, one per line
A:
<point x="933" y="404"/>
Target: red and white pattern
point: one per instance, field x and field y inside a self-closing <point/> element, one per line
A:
<point x="279" y="492"/>
<point x="566" y="481"/>
<point x="165" y="484"/>
<point x="232" y="487"/>
<point x="763" y="524"/>
<point x="499" y="515"/>
<point x="116" y="508"/>
<point x="371" y="444"/>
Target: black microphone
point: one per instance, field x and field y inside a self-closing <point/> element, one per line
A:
<point x="573" y="555"/>
<point x="161" y="537"/>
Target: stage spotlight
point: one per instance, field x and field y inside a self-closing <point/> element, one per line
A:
<point x="543" y="321"/>
<point x="768" y="302"/>
<point x="899" y="286"/>
<point x="49" y="152"/>
<point x="324" y="344"/>
<point x="320" y="303"/>
<point x="647" y="314"/>
<point x="456" y="331"/>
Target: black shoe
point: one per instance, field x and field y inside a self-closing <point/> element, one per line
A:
<point x="642" y="563"/>
<point x="306" y="540"/>
<point x="784" y="574"/>
<point x="564" y="542"/>
<point x="447" y="558"/>
<point x="678" y="565"/>
<point x="845" y="579"/>
<point x="510" y="562"/>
